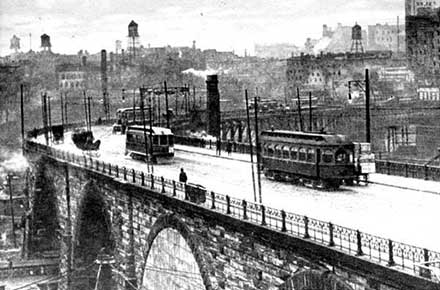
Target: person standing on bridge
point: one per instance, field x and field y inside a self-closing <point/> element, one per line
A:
<point x="218" y="144"/>
<point x="182" y="176"/>
<point x="229" y="147"/>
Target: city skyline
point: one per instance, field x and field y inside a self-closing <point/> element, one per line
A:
<point x="223" y="25"/>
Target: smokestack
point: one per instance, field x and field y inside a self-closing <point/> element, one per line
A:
<point x="104" y="80"/>
<point x="213" y="105"/>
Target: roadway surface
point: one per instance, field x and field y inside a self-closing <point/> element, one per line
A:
<point x="402" y="209"/>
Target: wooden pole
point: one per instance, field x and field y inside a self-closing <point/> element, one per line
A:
<point x="257" y="143"/>
<point x="250" y="144"/>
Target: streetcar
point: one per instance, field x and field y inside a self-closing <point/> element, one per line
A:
<point x="318" y="160"/>
<point x="124" y="118"/>
<point x="162" y="139"/>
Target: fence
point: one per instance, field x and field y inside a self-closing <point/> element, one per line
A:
<point x="402" y="168"/>
<point x="353" y="242"/>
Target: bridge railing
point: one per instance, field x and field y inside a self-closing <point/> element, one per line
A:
<point x="376" y="249"/>
<point x="407" y="169"/>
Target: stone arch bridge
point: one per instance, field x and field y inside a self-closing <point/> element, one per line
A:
<point x="118" y="228"/>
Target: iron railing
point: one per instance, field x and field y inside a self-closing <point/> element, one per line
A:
<point x="385" y="252"/>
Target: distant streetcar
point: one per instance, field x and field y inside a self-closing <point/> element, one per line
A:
<point x="316" y="159"/>
<point x="162" y="139"/>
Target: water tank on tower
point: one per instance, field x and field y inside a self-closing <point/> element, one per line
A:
<point x="356" y="39"/>
<point x="133" y="38"/>
<point x="45" y="42"/>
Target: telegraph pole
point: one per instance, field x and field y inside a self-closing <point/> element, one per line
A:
<point x="12" y="210"/>
<point x="89" y="113"/>
<point x="85" y="110"/>
<point x="134" y="101"/>
<point x="367" y="106"/>
<point x="22" y="116"/>
<point x="301" y="128"/>
<point x="258" y="148"/>
<point x="144" y="130"/>
<point x="250" y="144"/>
<point x="166" y="104"/>
<point x="50" y="119"/>
<point x="310" y="113"/>
<point x="62" y="109"/>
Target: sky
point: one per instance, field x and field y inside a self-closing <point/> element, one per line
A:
<point x="236" y="25"/>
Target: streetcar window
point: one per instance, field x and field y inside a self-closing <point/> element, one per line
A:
<point x="171" y="140"/>
<point x="286" y="153"/>
<point x="163" y="140"/>
<point x="270" y="150"/>
<point x="294" y="153"/>
<point x="155" y="140"/>
<point x="341" y="156"/>
<point x="278" y="153"/>
<point x="327" y="156"/>
<point x="130" y="138"/>
<point x="310" y="155"/>
<point x="302" y="154"/>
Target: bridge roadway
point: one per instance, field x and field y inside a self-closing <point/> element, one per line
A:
<point x="384" y="208"/>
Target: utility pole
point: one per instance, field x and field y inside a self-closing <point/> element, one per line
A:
<point x="153" y="159"/>
<point x="62" y="109"/>
<point x="398" y="32"/>
<point x="65" y="109"/>
<point x="194" y="97"/>
<point x="250" y="144"/>
<point x="166" y="104"/>
<point x="301" y="128"/>
<point x="85" y="109"/>
<point x="158" y="109"/>
<point x="144" y="129"/>
<point x="310" y="113"/>
<point x="258" y="148"/>
<point x="89" y="113"/>
<point x="14" y="238"/>
<point x="50" y="119"/>
<point x="22" y="116"/>
<point x="44" y="116"/>
<point x="134" y="101"/>
<point x="367" y="106"/>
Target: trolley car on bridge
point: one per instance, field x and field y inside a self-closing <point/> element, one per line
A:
<point x="161" y="149"/>
<point x="319" y="160"/>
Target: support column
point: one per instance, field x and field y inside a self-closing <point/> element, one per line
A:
<point x="131" y="283"/>
<point x="68" y="233"/>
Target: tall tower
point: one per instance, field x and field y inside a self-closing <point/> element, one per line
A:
<point x="15" y="43"/>
<point x="356" y="39"/>
<point x="133" y="38"/>
<point x="213" y="105"/>
<point x="45" y="42"/>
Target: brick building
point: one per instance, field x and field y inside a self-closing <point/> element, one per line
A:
<point x="327" y="75"/>
<point x="423" y="46"/>
<point x="386" y="37"/>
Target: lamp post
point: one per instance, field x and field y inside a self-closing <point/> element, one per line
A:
<point x="11" y="205"/>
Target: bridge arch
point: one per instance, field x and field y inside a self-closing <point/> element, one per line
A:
<point x="93" y="239"/>
<point x="172" y="222"/>
<point x="315" y="280"/>
<point x="44" y="220"/>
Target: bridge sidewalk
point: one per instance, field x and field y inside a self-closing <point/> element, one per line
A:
<point x="376" y="178"/>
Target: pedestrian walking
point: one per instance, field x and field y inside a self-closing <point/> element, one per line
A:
<point x="229" y="147"/>
<point x="182" y="176"/>
<point x="219" y="146"/>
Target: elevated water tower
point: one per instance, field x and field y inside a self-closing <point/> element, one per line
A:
<point x="45" y="42"/>
<point x="133" y="38"/>
<point x="356" y="39"/>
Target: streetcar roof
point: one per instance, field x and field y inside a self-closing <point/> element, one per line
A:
<point x="308" y="136"/>
<point x="156" y="130"/>
<point x="120" y="110"/>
